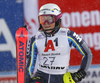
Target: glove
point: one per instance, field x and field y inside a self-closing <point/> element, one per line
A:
<point x="74" y="77"/>
<point x="38" y="77"/>
<point x="79" y="75"/>
<point x="67" y="78"/>
<point x="34" y="79"/>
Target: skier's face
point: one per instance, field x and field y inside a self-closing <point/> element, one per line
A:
<point x="47" y="22"/>
<point x="47" y="26"/>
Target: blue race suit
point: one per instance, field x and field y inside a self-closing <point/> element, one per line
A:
<point x="53" y="58"/>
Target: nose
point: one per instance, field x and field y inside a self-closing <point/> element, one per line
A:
<point x="46" y="23"/>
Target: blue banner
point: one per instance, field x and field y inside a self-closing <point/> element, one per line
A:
<point x="11" y="18"/>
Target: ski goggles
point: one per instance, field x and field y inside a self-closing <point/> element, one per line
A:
<point x="47" y="18"/>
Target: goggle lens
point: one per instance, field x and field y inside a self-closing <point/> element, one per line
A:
<point x="47" y="18"/>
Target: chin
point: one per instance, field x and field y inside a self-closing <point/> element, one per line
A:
<point x="48" y="31"/>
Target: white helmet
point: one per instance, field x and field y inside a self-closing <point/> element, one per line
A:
<point x="50" y="8"/>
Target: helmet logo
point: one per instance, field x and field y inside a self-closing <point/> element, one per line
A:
<point x="52" y="10"/>
<point x="44" y="12"/>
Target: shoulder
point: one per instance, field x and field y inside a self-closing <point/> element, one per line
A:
<point x="70" y="33"/>
<point x="74" y="36"/>
<point x="39" y="35"/>
<point x="63" y="31"/>
<point x="31" y="40"/>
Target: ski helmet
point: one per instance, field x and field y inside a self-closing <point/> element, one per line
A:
<point x="51" y="9"/>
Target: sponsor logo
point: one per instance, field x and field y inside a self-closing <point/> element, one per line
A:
<point x="52" y="67"/>
<point x="47" y="54"/>
<point x="21" y="56"/>
<point x="77" y="19"/>
<point x="77" y="37"/>
<point x="39" y="36"/>
<point x="21" y="35"/>
<point x="52" y="10"/>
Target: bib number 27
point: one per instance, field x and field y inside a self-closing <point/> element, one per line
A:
<point x="48" y="60"/>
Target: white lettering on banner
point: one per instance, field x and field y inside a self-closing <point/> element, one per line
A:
<point x="10" y="45"/>
<point x="93" y="40"/>
<point x="77" y="19"/>
<point x="85" y="19"/>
